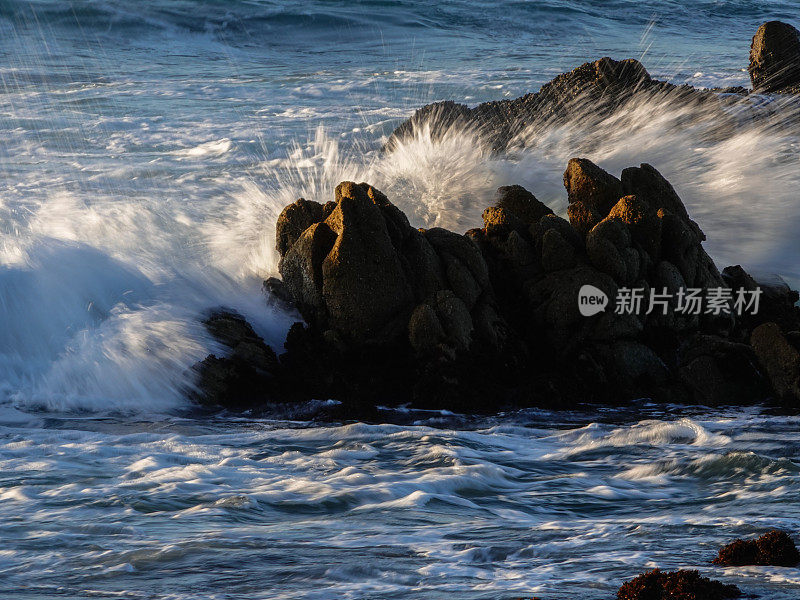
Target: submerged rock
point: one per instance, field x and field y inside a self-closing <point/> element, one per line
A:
<point x="677" y="585"/>
<point x="775" y="58"/>
<point x="774" y="548"/>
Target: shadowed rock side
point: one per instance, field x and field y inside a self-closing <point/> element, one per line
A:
<point x="678" y="585"/>
<point x="489" y="320"/>
<point x="774" y="548"/>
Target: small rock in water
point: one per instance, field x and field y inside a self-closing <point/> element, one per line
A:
<point x="677" y="585"/>
<point x="774" y="548"/>
<point x="775" y="58"/>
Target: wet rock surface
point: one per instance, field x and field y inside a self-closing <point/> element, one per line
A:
<point x="589" y="92"/>
<point x="677" y="585"/>
<point x="774" y="548"/>
<point x="595" y="89"/>
<point x="491" y="319"/>
<point x="775" y="58"/>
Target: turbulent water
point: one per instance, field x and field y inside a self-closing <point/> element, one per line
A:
<point x="147" y="149"/>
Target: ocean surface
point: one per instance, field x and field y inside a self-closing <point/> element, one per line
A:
<point x="146" y="149"/>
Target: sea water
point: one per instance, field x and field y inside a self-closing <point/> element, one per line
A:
<point x="146" y="150"/>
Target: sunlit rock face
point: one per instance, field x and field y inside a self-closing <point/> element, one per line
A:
<point x="775" y="58"/>
<point x="492" y="319"/>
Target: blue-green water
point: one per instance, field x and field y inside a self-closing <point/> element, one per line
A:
<point x="147" y="149"/>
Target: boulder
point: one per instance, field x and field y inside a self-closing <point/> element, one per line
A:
<point x="650" y="186"/>
<point x="774" y="548"/>
<point x="364" y="286"/>
<point x="642" y="221"/>
<point x="582" y="217"/>
<point x="682" y="246"/>
<point x="775" y="58"/>
<point x="301" y="268"/>
<point x="246" y="376"/>
<point x="294" y="220"/>
<point x="425" y="331"/>
<point x="608" y="247"/>
<point x="776" y="301"/>
<point x="718" y="371"/>
<point x="557" y="253"/>
<point x="635" y="369"/>
<point x="780" y="360"/>
<point x="499" y="221"/>
<point x="590" y="185"/>
<point x="553" y="306"/>
<point x="521" y="203"/>
<point x="677" y="585"/>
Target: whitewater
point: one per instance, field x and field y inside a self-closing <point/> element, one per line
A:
<point x="147" y="150"/>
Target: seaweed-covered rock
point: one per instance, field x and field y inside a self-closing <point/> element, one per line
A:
<point x="775" y="58"/>
<point x="774" y="548"/>
<point x="677" y="585"/>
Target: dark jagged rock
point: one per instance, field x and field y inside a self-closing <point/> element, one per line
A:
<point x="595" y="90"/>
<point x="246" y="376"/>
<point x="775" y="58"/>
<point x="647" y="184"/>
<point x="400" y="303"/>
<point x="776" y="302"/>
<point x="489" y="320"/>
<point x="591" y="91"/>
<point x="774" y="548"/>
<point x="677" y="585"/>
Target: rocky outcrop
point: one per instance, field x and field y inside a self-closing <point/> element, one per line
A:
<point x="774" y="548"/>
<point x="677" y="585"/>
<point x="589" y="93"/>
<point x="403" y="303"/>
<point x="492" y="318"/>
<point x="775" y="58"/>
